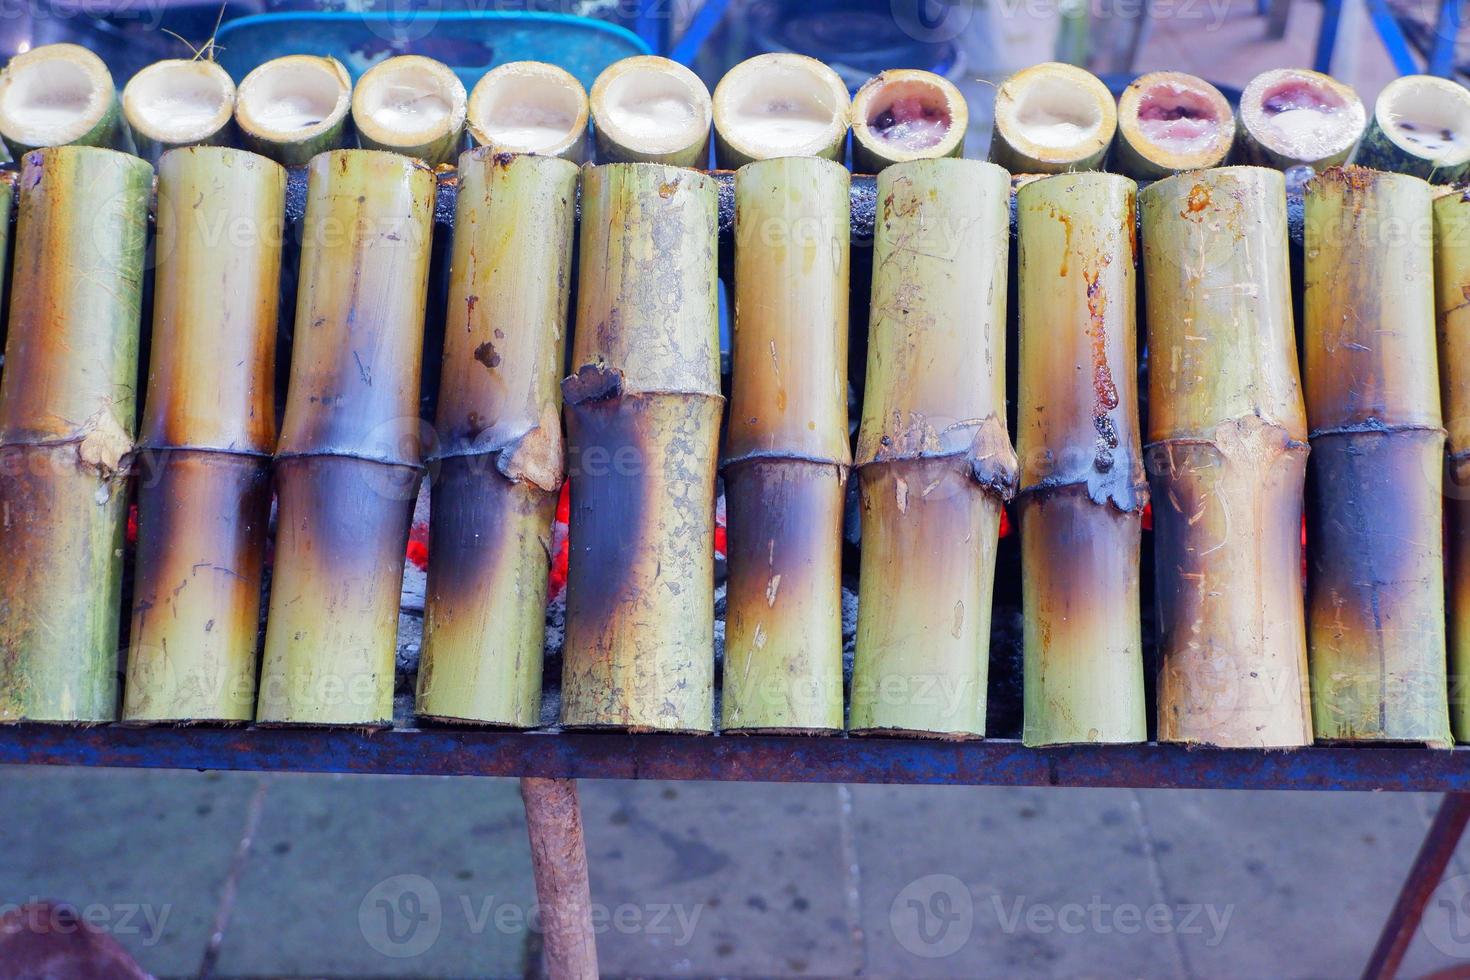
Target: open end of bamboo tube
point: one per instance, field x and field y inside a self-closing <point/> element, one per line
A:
<point x="1052" y="118"/>
<point x="178" y="102"/>
<point x="530" y="107"/>
<point x="1295" y="116"/>
<point x="780" y="105"/>
<point x="54" y="95"/>
<point x="1172" y="122"/>
<point x="906" y="114"/>
<point x="653" y="109"/>
<point x="293" y="100"/>
<point x="411" y="105"/>
<point x="1426" y="118"/>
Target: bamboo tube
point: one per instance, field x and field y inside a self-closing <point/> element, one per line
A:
<point x="1226" y="460"/>
<point x="179" y="102"/>
<point x="58" y="95"/>
<point x="934" y="460"/>
<point x="1452" y="286"/>
<point x="208" y="433"/>
<point x="66" y="424"/>
<point x="348" y="460"/>
<point x="1420" y="126"/>
<point x="643" y="416"/>
<point x="787" y="454"/>
<point x="1169" y="122"/>
<point x="292" y="108"/>
<point x="411" y="105"/>
<point x="779" y="105"/>
<point x="904" y="114"/>
<point x="1375" y="598"/>
<point x="651" y="110"/>
<point x="1052" y="118"/>
<point x="530" y="107"/>
<point x="1291" y="117"/>
<point x="502" y="461"/>
<point x="1082" y="481"/>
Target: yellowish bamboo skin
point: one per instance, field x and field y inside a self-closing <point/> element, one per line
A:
<point x="643" y="413"/>
<point x="71" y="353"/>
<point x="502" y="460"/>
<point x="202" y="522"/>
<point x="348" y="460"/>
<point x="933" y="456"/>
<point x="211" y="369"/>
<point x="1375" y="599"/>
<point x="1452" y="309"/>
<point x="66" y="424"/>
<point x="62" y="523"/>
<point x="341" y="530"/>
<point x="1226" y="460"/>
<point x="1082" y="486"/>
<point x="787" y="451"/>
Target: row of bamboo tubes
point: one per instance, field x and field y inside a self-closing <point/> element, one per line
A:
<point x="1245" y="657"/>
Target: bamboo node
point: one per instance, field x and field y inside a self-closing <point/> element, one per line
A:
<point x="538" y="456"/>
<point x="592" y="383"/>
<point x="104" y="443"/>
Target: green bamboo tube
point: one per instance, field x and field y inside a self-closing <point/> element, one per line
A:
<point x="66" y="423"/>
<point x="1082" y="487"/>
<point x="530" y="107"/>
<point x="1170" y="122"/>
<point x="208" y="433"/>
<point x="1226" y="460"/>
<point x="502" y="460"/>
<point x="292" y="108"/>
<point x="787" y="453"/>
<point x="905" y="114"/>
<point x="179" y="102"/>
<point x="1452" y="307"/>
<point x="1052" y="118"/>
<point x="647" y="109"/>
<point x="1420" y="126"/>
<point x="348" y="460"/>
<point x="59" y="95"/>
<point x="1375" y="598"/>
<point x="411" y="105"/>
<point x="779" y="105"/>
<point x="1291" y="117"/>
<point x="934" y="461"/>
<point x="643" y="416"/>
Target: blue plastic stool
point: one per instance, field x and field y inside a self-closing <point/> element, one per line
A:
<point x="469" y="42"/>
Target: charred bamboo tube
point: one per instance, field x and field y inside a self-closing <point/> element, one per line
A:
<point x="1375" y="598"/>
<point x="411" y="105"/>
<point x="1420" y="126"/>
<point x="934" y="461"/>
<point x="779" y="105"/>
<point x="59" y="95"/>
<point x="1169" y="122"/>
<point x="643" y="416"/>
<point x="787" y="454"/>
<point x="530" y="107"/>
<point x="66" y="424"/>
<point x="1226" y="460"/>
<point x="1452" y="307"/>
<point x="292" y="108"/>
<point x="1291" y="117"/>
<point x="347" y="464"/>
<point x="207" y="436"/>
<point x="502" y="460"/>
<point x="178" y="102"/>
<point x="1082" y="481"/>
<point x="905" y="114"/>
<point x="651" y="110"/>
<point x="1052" y="118"/>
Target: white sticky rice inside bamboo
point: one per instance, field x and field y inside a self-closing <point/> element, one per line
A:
<point x="652" y="105"/>
<point x="777" y="105"/>
<point x="179" y="101"/>
<point x="53" y="95"/>
<point x="408" y="101"/>
<point x="528" y="107"/>
<point x="1429" y="116"/>
<point x="293" y="98"/>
